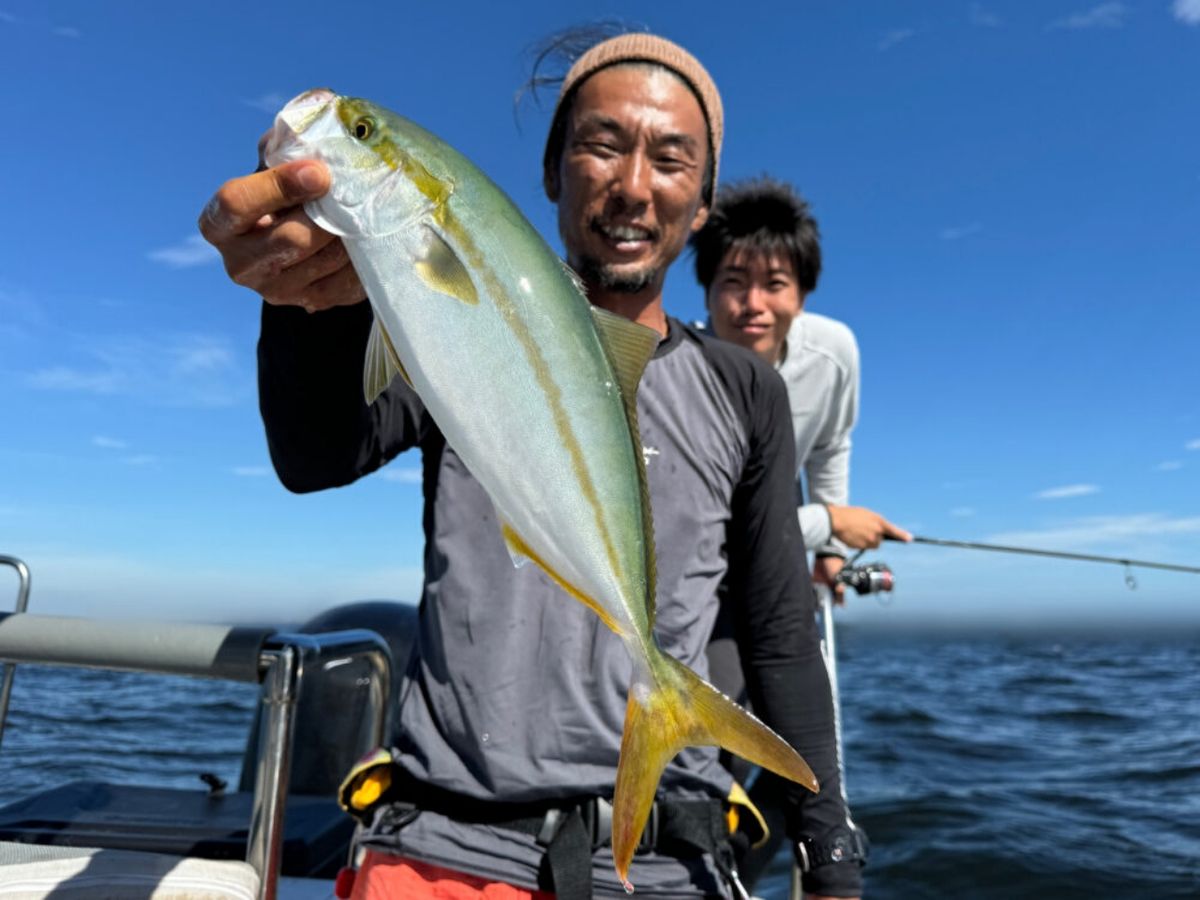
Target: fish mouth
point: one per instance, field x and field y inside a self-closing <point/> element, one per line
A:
<point x="284" y="142"/>
<point x="302" y="111"/>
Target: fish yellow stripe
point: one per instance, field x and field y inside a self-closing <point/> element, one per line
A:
<point x="498" y="292"/>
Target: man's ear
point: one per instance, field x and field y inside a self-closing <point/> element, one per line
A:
<point x="700" y="218"/>
<point x="551" y="184"/>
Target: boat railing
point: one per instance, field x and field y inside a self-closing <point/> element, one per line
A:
<point x="277" y="661"/>
<point x="8" y="670"/>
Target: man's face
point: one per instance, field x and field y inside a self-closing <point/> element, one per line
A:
<point x="753" y="299"/>
<point x="629" y="182"/>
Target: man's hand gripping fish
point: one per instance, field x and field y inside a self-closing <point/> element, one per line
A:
<point x="534" y="388"/>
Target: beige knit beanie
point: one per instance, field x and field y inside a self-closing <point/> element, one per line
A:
<point x="651" y="48"/>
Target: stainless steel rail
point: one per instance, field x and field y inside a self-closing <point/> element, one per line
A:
<point x="8" y="670"/>
<point x="278" y="661"/>
<point x="170" y="648"/>
<point x="286" y="659"/>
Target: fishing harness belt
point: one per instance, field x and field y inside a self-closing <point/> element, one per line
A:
<point x="379" y="795"/>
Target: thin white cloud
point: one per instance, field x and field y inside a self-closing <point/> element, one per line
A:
<point x="1099" y="530"/>
<point x="962" y="512"/>
<point x="63" y="378"/>
<point x="191" y="251"/>
<point x="403" y="475"/>
<point x="960" y="231"/>
<point x="1193" y="445"/>
<point x="109" y="443"/>
<point x="140" y="459"/>
<point x="252" y="471"/>
<point x="983" y="18"/>
<point x="1187" y="11"/>
<point x="202" y="357"/>
<point x="174" y="370"/>
<point x="895" y="37"/>
<point x="268" y="103"/>
<point x="68" y="32"/>
<point x="1170" y="465"/>
<point x="1106" y="15"/>
<point x="1067" y="490"/>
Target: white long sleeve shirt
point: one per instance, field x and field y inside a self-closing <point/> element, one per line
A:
<point x="821" y="369"/>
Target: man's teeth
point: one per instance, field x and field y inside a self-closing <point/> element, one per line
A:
<point x="626" y="233"/>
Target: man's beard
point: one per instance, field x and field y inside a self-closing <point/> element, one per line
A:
<point x="605" y="277"/>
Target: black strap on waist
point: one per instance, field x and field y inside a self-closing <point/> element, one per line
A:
<point x="571" y="831"/>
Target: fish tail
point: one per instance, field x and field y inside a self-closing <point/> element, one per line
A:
<point x="675" y="708"/>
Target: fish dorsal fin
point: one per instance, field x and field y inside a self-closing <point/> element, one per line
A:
<point x="381" y="365"/>
<point x="629" y="347"/>
<point x="443" y="271"/>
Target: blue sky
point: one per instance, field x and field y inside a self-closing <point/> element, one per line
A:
<point x="1009" y="195"/>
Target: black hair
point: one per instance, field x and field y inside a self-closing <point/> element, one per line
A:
<point x="553" y="57"/>
<point x="760" y="216"/>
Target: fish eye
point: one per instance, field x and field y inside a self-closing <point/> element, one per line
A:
<point x="364" y="128"/>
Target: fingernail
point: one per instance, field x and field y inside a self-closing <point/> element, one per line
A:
<point x="310" y="178"/>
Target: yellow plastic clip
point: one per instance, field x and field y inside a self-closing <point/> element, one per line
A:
<point x="367" y="781"/>
<point x="754" y="825"/>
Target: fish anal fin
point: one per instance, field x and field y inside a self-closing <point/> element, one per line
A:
<point x="517" y="548"/>
<point x="520" y="550"/>
<point x="381" y="364"/>
<point x="679" y="709"/>
<point x="443" y="271"/>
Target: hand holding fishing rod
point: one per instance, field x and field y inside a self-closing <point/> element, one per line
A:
<point x="860" y="529"/>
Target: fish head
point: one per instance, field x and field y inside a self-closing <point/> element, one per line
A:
<point x="376" y="185"/>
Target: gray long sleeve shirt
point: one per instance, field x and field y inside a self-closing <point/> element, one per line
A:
<point x="515" y="692"/>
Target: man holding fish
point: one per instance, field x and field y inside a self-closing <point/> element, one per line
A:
<point x="522" y="712"/>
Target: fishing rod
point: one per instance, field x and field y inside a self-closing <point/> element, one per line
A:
<point x="1056" y="554"/>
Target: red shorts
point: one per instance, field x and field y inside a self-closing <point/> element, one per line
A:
<point x="387" y="877"/>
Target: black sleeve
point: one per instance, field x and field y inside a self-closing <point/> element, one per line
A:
<point x="320" y="431"/>
<point x="773" y="606"/>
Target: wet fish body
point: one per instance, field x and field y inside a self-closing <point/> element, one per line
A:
<point x="535" y="390"/>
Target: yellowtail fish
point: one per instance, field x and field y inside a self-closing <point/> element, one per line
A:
<point x="534" y="388"/>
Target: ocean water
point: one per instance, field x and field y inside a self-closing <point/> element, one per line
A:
<point x="981" y="765"/>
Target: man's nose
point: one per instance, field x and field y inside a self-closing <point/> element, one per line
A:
<point x="632" y="183"/>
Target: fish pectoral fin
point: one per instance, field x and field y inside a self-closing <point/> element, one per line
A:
<point x="443" y="271"/>
<point x="683" y="710"/>
<point x="381" y="365"/>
